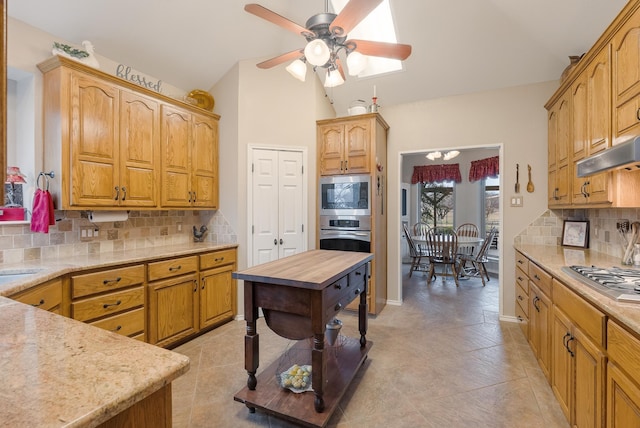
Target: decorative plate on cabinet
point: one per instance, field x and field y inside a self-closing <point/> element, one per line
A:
<point x="203" y="98"/>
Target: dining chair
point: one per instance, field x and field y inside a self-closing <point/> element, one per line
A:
<point x="442" y="245"/>
<point x="421" y="229"/>
<point x="415" y="253"/>
<point x="467" y="230"/>
<point x="478" y="261"/>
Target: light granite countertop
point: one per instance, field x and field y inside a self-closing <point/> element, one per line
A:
<point x="553" y="259"/>
<point x="58" y="372"/>
<point x="53" y="268"/>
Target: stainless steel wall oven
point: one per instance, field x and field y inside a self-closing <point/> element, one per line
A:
<point x="346" y="233"/>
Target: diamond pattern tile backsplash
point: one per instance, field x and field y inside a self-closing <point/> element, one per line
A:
<point x="603" y="235"/>
<point x="143" y="229"/>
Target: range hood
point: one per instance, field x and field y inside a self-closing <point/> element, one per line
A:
<point x="625" y="155"/>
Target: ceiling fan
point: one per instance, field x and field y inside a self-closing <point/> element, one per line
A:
<point x="326" y="35"/>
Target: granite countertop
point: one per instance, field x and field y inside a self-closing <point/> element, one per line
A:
<point x="57" y="372"/>
<point x="553" y="259"/>
<point x="45" y="270"/>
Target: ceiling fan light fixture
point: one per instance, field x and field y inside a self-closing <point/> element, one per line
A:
<point x="451" y="154"/>
<point x="317" y="52"/>
<point x="434" y="155"/>
<point x="333" y="79"/>
<point x="356" y="63"/>
<point x="298" y="69"/>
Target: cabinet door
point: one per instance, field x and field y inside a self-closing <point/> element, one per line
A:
<point x="625" y="58"/>
<point x="540" y="327"/>
<point x="588" y="397"/>
<point x="204" y="161"/>
<point x="561" y="361"/>
<point x="598" y="76"/>
<point x="176" y="151"/>
<point x="559" y="134"/>
<point x="93" y="141"/>
<point x="331" y="150"/>
<point x="623" y="399"/>
<point x="216" y="291"/>
<point x="173" y="309"/>
<point x="139" y="150"/>
<point x="358" y="147"/>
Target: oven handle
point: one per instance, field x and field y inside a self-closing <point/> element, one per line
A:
<point x="345" y="234"/>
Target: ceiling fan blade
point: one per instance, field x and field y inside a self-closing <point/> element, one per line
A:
<point x="353" y="12"/>
<point x="383" y="49"/>
<point x="289" y="56"/>
<point x="264" y="13"/>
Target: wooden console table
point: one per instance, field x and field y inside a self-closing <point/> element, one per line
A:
<point x="299" y="295"/>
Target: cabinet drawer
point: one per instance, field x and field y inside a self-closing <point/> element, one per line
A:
<point x="522" y="280"/>
<point x="218" y="258"/>
<point x="523" y="320"/>
<point x="590" y="320"/>
<point x="127" y="324"/>
<point x="112" y="303"/>
<point x="357" y="277"/>
<point x="623" y="348"/>
<point x="522" y="262"/>
<point x="46" y="296"/>
<point x="523" y="299"/>
<point x="173" y="267"/>
<point x="108" y="280"/>
<point x="540" y="278"/>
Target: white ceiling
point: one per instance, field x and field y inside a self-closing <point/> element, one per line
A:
<point x="459" y="46"/>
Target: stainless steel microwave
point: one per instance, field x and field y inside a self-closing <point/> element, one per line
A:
<point x="345" y="195"/>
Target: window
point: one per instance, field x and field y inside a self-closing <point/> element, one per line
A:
<point x="437" y="204"/>
<point x="491" y="208"/>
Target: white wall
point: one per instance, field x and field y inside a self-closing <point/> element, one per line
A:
<point x="513" y="118"/>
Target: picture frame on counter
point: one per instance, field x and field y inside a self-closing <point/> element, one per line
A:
<point x="575" y="233"/>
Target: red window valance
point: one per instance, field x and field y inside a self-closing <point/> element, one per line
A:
<point x="436" y="173"/>
<point x="483" y="168"/>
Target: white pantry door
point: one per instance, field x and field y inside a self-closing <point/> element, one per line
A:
<point x="277" y="204"/>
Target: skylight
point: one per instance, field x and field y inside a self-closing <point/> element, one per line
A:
<point x="377" y="26"/>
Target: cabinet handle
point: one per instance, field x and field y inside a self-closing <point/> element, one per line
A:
<point x="118" y="328"/>
<point x="586" y="194"/>
<point x="341" y="165"/>
<point x="195" y="285"/>
<point x="124" y="193"/>
<point x="535" y="300"/>
<point x="520" y="318"/>
<point x="337" y="286"/>
<point x="520" y="261"/>
<point x="221" y="258"/>
<point x="346" y="165"/>
<point x="204" y="281"/>
<point x="358" y="273"/>
<point x="358" y="291"/>
<point x="109" y="281"/>
<point x="189" y="196"/>
<point x="194" y="197"/>
<point x="520" y="298"/>
<point x="338" y="306"/>
<point x="106" y="305"/>
<point x="520" y="278"/>
<point x="567" y="345"/>
<point x="555" y="194"/>
<point x="171" y="269"/>
<point x="638" y="114"/>
<point x="535" y="275"/>
<point x="40" y="303"/>
<point x="117" y="193"/>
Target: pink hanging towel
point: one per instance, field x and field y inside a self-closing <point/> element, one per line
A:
<point x="42" y="215"/>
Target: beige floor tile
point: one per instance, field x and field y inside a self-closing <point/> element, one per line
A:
<point x="442" y="359"/>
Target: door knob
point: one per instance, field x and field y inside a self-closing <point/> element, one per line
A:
<point x="275" y="241"/>
<point x="281" y="241"/>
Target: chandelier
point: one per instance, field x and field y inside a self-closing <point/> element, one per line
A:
<point x="447" y="156"/>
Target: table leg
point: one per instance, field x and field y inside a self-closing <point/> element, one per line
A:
<point x="319" y="365"/>
<point x="251" y="339"/>
<point x="362" y="309"/>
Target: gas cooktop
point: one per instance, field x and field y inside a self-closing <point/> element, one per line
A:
<point x="617" y="283"/>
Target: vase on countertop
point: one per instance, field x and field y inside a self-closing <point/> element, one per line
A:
<point x="573" y="61"/>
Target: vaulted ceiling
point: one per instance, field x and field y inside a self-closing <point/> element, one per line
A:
<point x="459" y="46"/>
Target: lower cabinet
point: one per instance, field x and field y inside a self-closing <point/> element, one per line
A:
<point x="47" y="296"/>
<point x="217" y="288"/>
<point x="540" y="327"/>
<point x="623" y="371"/>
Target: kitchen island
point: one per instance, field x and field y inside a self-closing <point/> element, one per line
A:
<point x="299" y="295"/>
<point x="57" y="372"/>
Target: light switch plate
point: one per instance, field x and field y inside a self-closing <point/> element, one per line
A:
<point x="516" y="201"/>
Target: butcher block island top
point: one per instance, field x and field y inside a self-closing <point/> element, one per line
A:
<point x="299" y="295"/>
<point x="58" y="372"/>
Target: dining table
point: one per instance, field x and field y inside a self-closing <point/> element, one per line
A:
<point x="469" y="243"/>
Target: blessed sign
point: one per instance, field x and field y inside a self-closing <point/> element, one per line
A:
<point x="126" y="73"/>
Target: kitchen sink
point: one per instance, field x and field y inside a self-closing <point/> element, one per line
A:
<point x="7" y="276"/>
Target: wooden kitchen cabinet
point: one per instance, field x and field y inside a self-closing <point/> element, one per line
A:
<point x="113" y="299"/>
<point x="217" y="287"/>
<point x="344" y="146"/>
<point x="189" y="159"/>
<point x="559" y="135"/>
<point x="522" y="301"/>
<point x="540" y="327"/>
<point x="623" y="393"/>
<point x="578" y="362"/>
<point x="47" y="296"/>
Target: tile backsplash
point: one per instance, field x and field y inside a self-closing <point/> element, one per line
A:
<point x="603" y="234"/>
<point x="142" y="229"/>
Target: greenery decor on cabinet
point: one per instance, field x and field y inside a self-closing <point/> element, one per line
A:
<point x="108" y="138"/>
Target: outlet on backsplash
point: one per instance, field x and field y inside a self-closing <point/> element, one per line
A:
<point x="87" y="233"/>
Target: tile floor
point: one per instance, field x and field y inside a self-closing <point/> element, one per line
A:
<point x="442" y="359"/>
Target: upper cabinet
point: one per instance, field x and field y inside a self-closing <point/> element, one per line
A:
<point x="116" y="145"/>
<point x="345" y="147"/>
<point x="602" y="94"/>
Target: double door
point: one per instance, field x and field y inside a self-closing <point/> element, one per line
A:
<point x="277" y="201"/>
